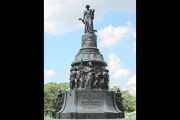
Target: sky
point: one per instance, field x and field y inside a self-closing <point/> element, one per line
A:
<point x="115" y="22"/>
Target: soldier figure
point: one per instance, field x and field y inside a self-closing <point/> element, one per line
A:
<point x="78" y="78"/>
<point x="105" y="80"/>
<point x="98" y="77"/>
<point x="73" y="79"/>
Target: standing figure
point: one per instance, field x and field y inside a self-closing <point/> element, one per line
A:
<point x="98" y="78"/>
<point x="90" y="76"/>
<point x="88" y="19"/>
<point x="82" y="76"/>
<point x="73" y="79"/>
<point x="105" y="80"/>
<point x="78" y="78"/>
<point x="72" y="82"/>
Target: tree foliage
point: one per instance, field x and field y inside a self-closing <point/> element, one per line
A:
<point x="129" y="102"/>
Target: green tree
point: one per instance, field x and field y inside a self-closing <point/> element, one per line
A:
<point x="50" y="90"/>
<point x="129" y="102"/>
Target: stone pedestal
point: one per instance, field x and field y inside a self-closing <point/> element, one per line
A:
<point x="89" y="104"/>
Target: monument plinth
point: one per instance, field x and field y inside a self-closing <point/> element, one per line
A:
<point x="89" y="96"/>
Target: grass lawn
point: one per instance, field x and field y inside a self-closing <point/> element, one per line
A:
<point x="128" y="116"/>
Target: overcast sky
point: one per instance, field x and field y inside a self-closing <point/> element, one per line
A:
<point x="115" y="22"/>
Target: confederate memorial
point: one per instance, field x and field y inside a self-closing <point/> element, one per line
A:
<point x="89" y="96"/>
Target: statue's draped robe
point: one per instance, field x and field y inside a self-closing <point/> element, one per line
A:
<point x="88" y="20"/>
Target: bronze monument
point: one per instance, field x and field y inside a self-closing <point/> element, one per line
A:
<point x="89" y="96"/>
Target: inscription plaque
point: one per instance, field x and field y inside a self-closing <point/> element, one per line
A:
<point x="90" y="101"/>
